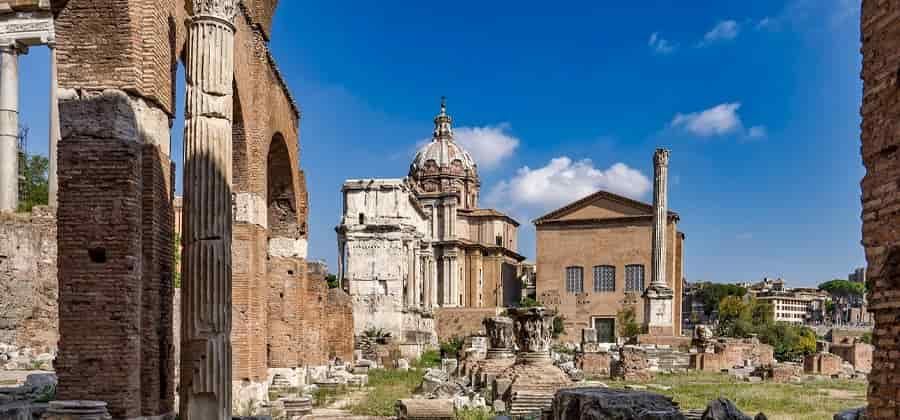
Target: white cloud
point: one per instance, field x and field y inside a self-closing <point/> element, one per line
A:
<point x="718" y="120"/>
<point x="562" y="181"/>
<point x="661" y="45"/>
<point x="765" y="23"/>
<point x="723" y="31"/>
<point x="757" y="132"/>
<point x="489" y="145"/>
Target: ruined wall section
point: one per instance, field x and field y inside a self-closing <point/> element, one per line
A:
<point x="119" y="44"/>
<point x="28" y="289"/>
<point x="880" y="29"/>
<point x="339" y="327"/>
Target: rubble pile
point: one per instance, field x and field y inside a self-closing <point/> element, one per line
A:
<point x="24" y="358"/>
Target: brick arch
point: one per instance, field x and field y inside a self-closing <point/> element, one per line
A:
<point x="281" y="197"/>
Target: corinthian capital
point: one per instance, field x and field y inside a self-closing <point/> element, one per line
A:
<point x="661" y="157"/>
<point x="222" y="9"/>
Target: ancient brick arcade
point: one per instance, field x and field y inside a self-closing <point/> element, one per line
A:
<point x="880" y="29"/>
<point x="245" y="208"/>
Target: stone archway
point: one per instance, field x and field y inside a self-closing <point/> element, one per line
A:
<point x="286" y="259"/>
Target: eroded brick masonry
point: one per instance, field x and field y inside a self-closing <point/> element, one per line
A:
<point x="880" y="29"/>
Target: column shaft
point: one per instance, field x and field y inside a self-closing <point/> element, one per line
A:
<point x="9" y="128"/>
<point x="660" y="217"/>
<point x="206" y="308"/>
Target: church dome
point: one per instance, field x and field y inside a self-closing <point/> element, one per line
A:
<point x="442" y="154"/>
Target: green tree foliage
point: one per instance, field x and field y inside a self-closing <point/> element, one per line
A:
<point x="528" y="302"/>
<point x="843" y="288"/>
<point x="332" y="281"/>
<point x="451" y="347"/>
<point x="741" y="319"/>
<point x="713" y="293"/>
<point x="559" y="326"/>
<point x="35" y="185"/>
<point x="629" y="327"/>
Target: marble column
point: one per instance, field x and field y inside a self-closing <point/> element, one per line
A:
<point x="659" y="296"/>
<point x="9" y="126"/>
<point x="660" y="217"/>
<point x="206" y="308"/>
<point x="445" y="267"/>
<point x="54" y="129"/>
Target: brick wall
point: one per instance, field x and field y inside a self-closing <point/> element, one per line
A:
<point x="28" y="289"/>
<point x="826" y="364"/>
<point x="284" y="311"/>
<point x="313" y="333"/>
<point x="339" y="328"/>
<point x="594" y="364"/>
<point x="880" y="35"/>
<point x="857" y="354"/>
<point x="115" y="287"/>
<point x="249" y="291"/>
<point x="461" y="322"/>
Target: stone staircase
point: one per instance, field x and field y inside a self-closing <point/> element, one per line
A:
<point x="531" y="402"/>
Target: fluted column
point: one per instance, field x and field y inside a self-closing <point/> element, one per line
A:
<point x="206" y="310"/>
<point x="9" y="126"/>
<point x="660" y="217"/>
<point x="54" y="129"/>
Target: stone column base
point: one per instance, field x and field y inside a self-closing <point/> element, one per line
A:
<point x="534" y="358"/>
<point x="499" y="354"/>
<point x="77" y="410"/>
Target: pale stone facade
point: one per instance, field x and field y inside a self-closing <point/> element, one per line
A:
<point x="386" y="259"/>
<point x="410" y="245"/>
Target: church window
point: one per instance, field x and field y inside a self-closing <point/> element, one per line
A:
<point x="634" y="278"/>
<point x="604" y="278"/>
<point x="574" y="279"/>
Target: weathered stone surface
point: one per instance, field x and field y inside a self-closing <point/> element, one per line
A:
<point x="852" y="414"/>
<point x="605" y="403"/>
<point x="28" y="288"/>
<point x="422" y="409"/>
<point x="724" y="409"/>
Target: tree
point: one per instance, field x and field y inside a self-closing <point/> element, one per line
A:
<point x="34" y="184"/>
<point x="741" y="319"/>
<point x="844" y="292"/>
<point x="713" y="293"/>
<point x="629" y="327"/>
<point x="332" y="281"/>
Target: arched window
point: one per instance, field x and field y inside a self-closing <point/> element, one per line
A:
<point x="604" y="278"/>
<point x="362" y="218"/>
<point x="574" y="279"/>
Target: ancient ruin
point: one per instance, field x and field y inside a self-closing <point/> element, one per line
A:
<point x="880" y="143"/>
<point x="409" y="246"/>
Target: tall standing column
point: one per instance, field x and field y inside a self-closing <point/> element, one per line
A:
<point x="660" y="216"/>
<point x="9" y="126"/>
<point x="206" y="311"/>
<point x="658" y="307"/>
<point x="54" y="129"/>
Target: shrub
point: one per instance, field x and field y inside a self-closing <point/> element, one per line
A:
<point x="451" y="347"/>
<point x="559" y="326"/>
<point x="629" y="327"/>
<point x="528" y="302"/>
<point x="474" y="414"/>
<point x="428" y="359"/>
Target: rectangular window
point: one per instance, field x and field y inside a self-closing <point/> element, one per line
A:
<point x="574" y="279"/>
<point x="634" y="278"/>
<point x="604" y="278"/>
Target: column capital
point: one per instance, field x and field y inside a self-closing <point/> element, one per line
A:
<point x="222" y="10"/>
<point x="11" y="46"/>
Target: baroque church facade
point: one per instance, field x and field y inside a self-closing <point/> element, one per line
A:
<point x="408" y="246"/>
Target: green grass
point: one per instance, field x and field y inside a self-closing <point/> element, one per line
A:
<point x="474" y="414"/>
<point x="815" y="399"/>
<point x="324" y="396"/>
<point x="384" y="389"/>
<point x="428" y="359"/>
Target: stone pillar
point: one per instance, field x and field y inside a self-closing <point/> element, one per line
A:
<point x="9" y="126"/>
<point x="659" y="296"/>
<point x="534" y="334"/>
<point x="54" y="129"/>
<point x="502" y="337"/>
<point x="206" y="311"/>
<point x="445" y="290"/>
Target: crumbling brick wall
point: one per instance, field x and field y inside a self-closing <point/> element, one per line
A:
<point x="594" y="364"/>
<point x="28" y="289"/>
<point x="857" y="354"/>
<point x="339" y="329"/>
<point x="313" y="331"/>
<point x="285" y="312"/>
<point x="880" y="34"/>
<point x="826" y="364"/>
<point x="461" y="322"/>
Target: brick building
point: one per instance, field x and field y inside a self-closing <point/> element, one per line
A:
<point x="594" y="258"/>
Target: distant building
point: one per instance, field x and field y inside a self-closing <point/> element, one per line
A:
<point x="528" y="276"/>
<point x="797" y="306"/>
<point x="693" y="311"/>
<point x="594" y="258"/>
<point x="858" y="275"/>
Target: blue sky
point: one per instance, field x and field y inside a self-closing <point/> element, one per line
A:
<point x="758" y="101"/>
